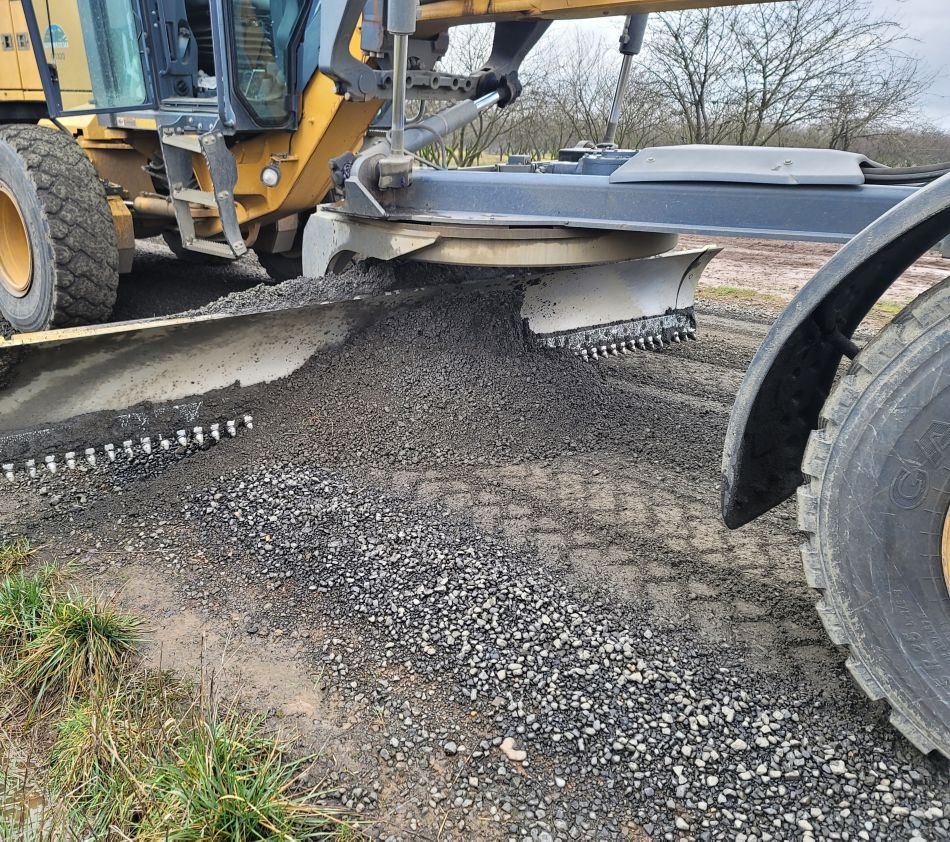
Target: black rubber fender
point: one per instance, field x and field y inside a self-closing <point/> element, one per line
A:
<point x="791" y="375"/>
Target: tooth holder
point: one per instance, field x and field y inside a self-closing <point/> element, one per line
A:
<point x="146" y="446"/>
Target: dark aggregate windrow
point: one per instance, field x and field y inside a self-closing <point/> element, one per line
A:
<point x="681" y="734"/>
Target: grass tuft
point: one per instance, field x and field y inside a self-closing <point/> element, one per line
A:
<point x="78" y="647"/>
<point x="106" y="749"/>
<point x="14" y="554"/>
<point x="25" y="603"/>
<point x="227" y="781"/>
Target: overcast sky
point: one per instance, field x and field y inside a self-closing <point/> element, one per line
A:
<point x="927" y="23"/>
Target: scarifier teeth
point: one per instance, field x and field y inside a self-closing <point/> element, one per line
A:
<point x="619" y="338"/>
<point x="147" y="444"/>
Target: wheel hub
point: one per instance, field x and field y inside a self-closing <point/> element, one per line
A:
<point x="16" y="256"/>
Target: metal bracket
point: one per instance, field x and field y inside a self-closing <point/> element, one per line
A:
<point x="177" y="149"/>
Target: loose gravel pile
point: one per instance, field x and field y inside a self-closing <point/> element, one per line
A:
<point x="686" y="738"/>
<point x="450" y="382"/>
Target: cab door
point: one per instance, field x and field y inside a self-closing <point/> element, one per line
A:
<point x="91" y="55"/>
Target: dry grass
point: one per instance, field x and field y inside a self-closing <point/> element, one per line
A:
<point x="133" y="753"/>
<point x="78" y="646"/>
<point x="14" y="554"/>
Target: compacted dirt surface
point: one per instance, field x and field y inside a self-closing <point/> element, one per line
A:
<point x="491" y="587"/>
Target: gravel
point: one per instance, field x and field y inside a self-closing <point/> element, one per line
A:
<point x="511" y="694"/>
<point x="638" y="718"/>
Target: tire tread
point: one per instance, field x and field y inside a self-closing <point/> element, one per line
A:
<point x="925" y="312"/>
<point x="81" y="230"/>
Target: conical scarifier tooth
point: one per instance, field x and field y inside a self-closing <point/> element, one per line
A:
<point x="676" y="336"/>
<point x="216" y="432"/>
<point x="164" y="443"/>
<point x="71" y="460"/>
<point x="50" y="461"/>
<point x="91" y="456"/>
<point x="199" y="435"/>
<point x="249" y="422"/>
<point x="613" y="349"/>
<point x="31" y="468"/>
<point x="110" y="451"/>
<point x="182" y="437"/>
<point x="146" y="443"/>
<point x="231" y="427"/>
<point x="127" y="447"/>
<point x="8" y="471"/>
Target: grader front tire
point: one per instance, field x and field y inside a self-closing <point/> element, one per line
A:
<point x="875" y="508"/>
<point x="60" y="260"/>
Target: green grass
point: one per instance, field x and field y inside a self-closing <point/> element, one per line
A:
<point x="731" y="293"/>
<point x="106" y="748"/>
<point x="880" y="314"/>
<point x="227" y="782"/>
<point x="78" y="646"/>
<point x="133" y="753"/>
<point x="25" y="602"/>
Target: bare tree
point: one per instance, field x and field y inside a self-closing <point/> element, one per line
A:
<point x="747" y="74"/>
<point x="469" y="48"/>
<point x="804" y="72"/>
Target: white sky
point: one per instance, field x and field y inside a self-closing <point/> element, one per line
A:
<point x="927" y="23"/>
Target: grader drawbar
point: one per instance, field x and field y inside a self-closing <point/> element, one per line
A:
<point x="282" y="128"/>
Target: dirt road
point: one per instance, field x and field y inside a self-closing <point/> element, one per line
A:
<point x="435" y="540"/>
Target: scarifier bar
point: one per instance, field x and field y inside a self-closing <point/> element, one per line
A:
<point x="608" y="310"/>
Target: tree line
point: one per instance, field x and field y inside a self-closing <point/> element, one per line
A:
<point x="822" y="73"/>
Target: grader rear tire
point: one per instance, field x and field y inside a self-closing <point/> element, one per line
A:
<point x="58" y="256"/>
<point x="875" y="508"/>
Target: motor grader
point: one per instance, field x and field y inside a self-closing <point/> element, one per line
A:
<point x="281" y="126"/>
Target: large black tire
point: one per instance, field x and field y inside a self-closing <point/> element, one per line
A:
<point x="873" y="508"/>
<point x="281" y="267"/>
<point x="74" y="273"/>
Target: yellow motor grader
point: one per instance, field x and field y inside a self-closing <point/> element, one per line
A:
<point x="281" y="126"/>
